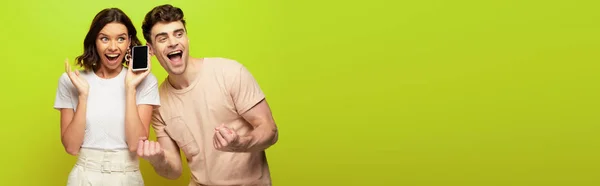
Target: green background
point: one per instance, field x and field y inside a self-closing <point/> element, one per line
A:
<point x="430" y="92"/>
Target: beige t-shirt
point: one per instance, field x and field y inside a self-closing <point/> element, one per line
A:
<point x="222" y="91"/>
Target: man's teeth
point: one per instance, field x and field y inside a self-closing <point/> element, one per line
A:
<point x="174" y="52"/>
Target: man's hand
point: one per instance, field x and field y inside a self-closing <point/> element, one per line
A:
<point x="150" y="150"/>
<point x="162" y="155"/>
<point x="226" y="139"/>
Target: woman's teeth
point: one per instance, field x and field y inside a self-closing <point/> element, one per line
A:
<point x="112" y="57"/>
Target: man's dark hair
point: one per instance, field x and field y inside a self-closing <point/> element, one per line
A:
<point x="90" y="59"/>
<point x="163" y="13"/>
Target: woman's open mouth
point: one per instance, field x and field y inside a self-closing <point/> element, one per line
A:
<point x="112" y="58"/>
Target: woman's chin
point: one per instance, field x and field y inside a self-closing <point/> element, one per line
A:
<point x="112" y="65"/>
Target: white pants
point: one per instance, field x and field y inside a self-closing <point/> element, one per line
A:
<point x="106" y="168"/>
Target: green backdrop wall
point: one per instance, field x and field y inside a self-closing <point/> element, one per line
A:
<point x="432" y="92"/>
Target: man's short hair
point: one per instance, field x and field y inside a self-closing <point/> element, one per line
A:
<point x="163" y="13"/>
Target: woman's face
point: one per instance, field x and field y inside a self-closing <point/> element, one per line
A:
<point x="112" y="44"/>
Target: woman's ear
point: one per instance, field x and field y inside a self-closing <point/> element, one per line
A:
<point x="129" y="42"/>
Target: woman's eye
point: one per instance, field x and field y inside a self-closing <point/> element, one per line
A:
<point x="121" y="39"/>
<point x="104" y="39"/>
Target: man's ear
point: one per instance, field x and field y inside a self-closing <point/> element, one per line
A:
<point x="150" y="49"/>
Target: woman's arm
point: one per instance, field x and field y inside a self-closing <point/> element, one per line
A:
<point x="139" y="115"/>
<point x="72" y="123"/>
<point x="137" y="120"/>
<point x="72" y="126"/>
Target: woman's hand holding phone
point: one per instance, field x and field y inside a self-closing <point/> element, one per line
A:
<point x="133" y="79"/>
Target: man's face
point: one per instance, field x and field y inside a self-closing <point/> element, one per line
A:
<point x="111" y="45"/>
<point x="170" y="45"/>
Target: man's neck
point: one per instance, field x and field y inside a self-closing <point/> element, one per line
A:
<point x="189" y="75"/>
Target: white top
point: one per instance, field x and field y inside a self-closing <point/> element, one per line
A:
<point x="105" y="117"/>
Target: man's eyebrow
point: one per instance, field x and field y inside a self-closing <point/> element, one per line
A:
<point x="179" y="30"/>
<point x="160" y="34"/>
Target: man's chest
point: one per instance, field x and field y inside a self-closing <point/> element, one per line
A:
<point x="199" y="110"/>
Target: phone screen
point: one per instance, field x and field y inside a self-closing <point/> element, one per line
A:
<point x="140" y="57"/>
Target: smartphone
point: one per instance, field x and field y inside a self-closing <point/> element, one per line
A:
<point x="139" y="58"/>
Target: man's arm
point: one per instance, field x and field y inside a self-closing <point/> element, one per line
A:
<point x="265" y="132"/>
<point x="251" y="104"/>
<point x="163" y="156"/>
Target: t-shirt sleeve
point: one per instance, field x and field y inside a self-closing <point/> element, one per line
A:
<point x="147" y="91"/>
<point x="244" y="89"/>
<point x="64" y="93"/>
<point x="158" y="123"/>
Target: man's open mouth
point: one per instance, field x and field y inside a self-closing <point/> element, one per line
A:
<point x="175" y="55"/>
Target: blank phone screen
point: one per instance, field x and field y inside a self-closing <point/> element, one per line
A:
<point x="140" y="57"/>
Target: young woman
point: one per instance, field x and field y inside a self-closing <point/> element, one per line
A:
<point x="106" y="108"/>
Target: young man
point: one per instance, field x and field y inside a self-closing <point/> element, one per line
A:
<point x="211" y="108"/>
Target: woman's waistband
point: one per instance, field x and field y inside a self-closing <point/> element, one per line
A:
<point x="108" y="160"/>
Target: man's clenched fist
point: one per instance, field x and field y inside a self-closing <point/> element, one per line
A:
<point x="150" y="150"/>
<point x="225" y="139"/>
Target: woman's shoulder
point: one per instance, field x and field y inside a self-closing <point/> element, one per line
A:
<point x="149" y="80"/>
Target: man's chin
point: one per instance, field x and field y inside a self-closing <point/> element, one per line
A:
<point x="177" y="70"/>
